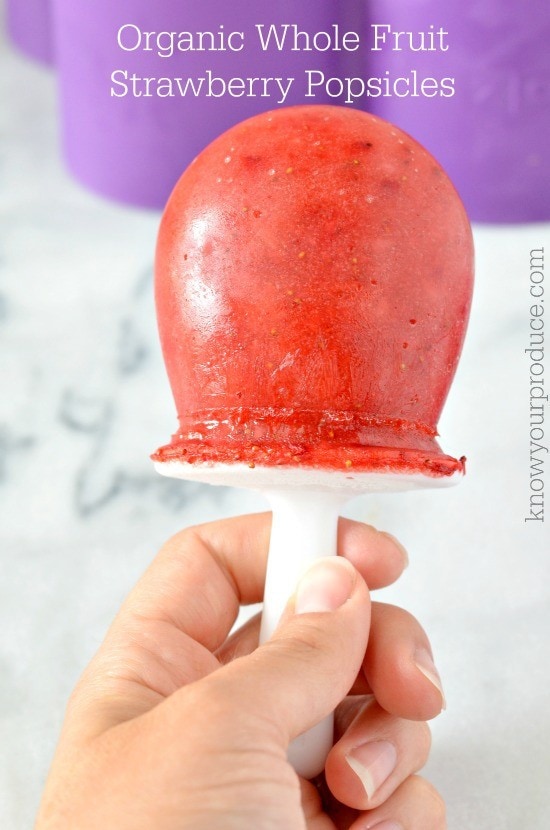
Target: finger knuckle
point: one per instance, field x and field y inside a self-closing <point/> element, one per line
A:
<point x="179" y="541"/>
<point x="301" y="644"/>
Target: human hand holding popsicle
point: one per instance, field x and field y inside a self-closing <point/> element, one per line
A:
<point x="176" y="725"/>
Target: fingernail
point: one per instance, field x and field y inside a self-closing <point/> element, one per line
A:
<point x="373" y="763"/>
<point x="424" y="662"/>
<point x="325" y="586"/>
<point x="385" y="825"/>
<point x="398" y="545"/>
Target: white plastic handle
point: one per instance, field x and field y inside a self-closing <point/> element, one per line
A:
<point x="304" y="529"/>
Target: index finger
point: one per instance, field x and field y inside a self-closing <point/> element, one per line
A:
<point x="203" y="574"/>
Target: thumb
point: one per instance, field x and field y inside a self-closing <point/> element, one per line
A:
<point x="300" y="675"/>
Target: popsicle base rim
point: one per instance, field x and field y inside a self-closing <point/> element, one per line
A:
<point x="283" y="478"/>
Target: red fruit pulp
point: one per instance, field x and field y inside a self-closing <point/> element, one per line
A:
<point x="313" y="283"/>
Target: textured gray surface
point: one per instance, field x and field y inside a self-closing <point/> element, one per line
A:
<point x="84" y="399"/>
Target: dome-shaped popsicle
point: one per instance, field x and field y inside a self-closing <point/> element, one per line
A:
<point x="313" y="283"/>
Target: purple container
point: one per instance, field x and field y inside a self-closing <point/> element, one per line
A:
<point x="492" y="135"/>
<point x="29" y="27"/>
<point x="134" y="149"/>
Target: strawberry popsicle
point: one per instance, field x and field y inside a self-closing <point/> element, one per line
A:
<point x="314" y="275"/>
<point x="313" y="282"/>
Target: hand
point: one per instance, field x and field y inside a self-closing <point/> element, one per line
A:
<point x="176" y="726"/>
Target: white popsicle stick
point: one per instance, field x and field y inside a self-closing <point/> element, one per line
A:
<point x="304" y="529"/>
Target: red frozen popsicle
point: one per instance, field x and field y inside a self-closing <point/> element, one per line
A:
<point x="313" y="282"/>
